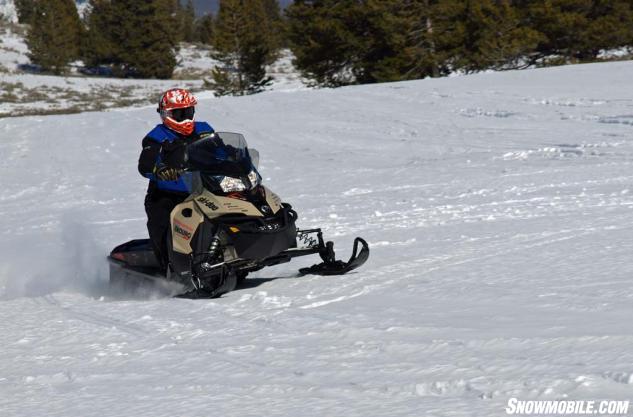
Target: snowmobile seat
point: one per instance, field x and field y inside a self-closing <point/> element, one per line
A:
<point x="136" y="253"/>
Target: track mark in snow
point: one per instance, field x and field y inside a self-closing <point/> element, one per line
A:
<point x="392" y="243"/>
<point x="623" y="119"/>
<point x="90" y="317"/>
<point x="266" y="301"/>
<point x="118" y="221"/>
<point x="449" y="388"/>
<point x="620" y="377"/>
<point x="20" y="194"/>
<point x="477" y="112"/>
<point x="389" y="276"/>
<point x="357" y="191"/>
<point x="317" y="304"/>
<point x="51" y="379"/>
<point x="568" y="102"/>
<point x="563" y="151"/>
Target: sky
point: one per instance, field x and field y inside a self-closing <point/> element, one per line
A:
<point x="205" y="6"/>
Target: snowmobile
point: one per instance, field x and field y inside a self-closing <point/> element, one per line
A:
<point x="229" y="226"/>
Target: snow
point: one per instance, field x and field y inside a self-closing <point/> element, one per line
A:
<point x="285" y="76"/>
<point x="13" y="50"/>
<point x="194" y="61"/>
<point x="617" y="53"/>
<point x="8" y="11"/>
<point x="83" y="8"/>
<point x="498" y="208"/>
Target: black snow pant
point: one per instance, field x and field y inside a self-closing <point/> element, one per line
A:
<point x="158" y="206"/>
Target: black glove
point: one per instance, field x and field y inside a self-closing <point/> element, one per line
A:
<point x="165" y="173"/>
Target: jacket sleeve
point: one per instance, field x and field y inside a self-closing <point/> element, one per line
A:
<point x="149" y="155"/>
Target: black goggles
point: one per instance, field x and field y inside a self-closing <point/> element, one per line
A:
<point x="180" y="115"/>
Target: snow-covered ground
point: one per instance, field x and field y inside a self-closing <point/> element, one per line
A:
<point x="8" y="11"/>
<point x="499" y="209"/>
<point x="196" y="62"/>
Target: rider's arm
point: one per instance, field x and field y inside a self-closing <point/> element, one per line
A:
<point x="148" y="158"/>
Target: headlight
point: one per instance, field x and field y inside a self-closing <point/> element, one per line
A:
<point x="230" y="184"/>
<point x="254" y="178"/>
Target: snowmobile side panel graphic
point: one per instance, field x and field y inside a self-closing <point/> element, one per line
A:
<point x="185" y="219"/>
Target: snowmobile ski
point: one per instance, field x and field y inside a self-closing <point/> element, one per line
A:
<point x="331" y="266"/>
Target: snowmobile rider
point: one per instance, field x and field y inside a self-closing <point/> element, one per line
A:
<point x="166" y="187"/>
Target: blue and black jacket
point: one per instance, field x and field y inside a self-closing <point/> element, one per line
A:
<point x="158" y="146"/>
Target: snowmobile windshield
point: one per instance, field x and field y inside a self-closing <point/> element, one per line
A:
<point x="222" y="154"/>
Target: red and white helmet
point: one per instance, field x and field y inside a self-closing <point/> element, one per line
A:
<point x="177" y="108"/>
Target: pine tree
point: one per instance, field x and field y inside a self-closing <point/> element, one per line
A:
<point x="343" y="42"/>
<point x="323" y="40"/>
<point x="494" y="36"/>
<point x="137" y="37"/>
<point x="435" y="37"/>
<point x="562" y="24"/>
<point x="244" y="43"/>
<point x="54" y="34"/>
<point x="418" y="57"/>
<point x="98" y="46"/>
<point x="277" y="24"/>
<point x="337" y="42"/>
<point x="205" y="29"/>
<point x="25" y="10"/>
<point x="410" y="39"/>
<point x="610" y="26"/>
<point x="146" y="43"/>
<point x="576" y="30"/>
<point x="380" y="35"/>
<point x="188" y="22"/>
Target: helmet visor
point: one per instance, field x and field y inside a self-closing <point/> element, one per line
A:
<point x="180" y="115"/>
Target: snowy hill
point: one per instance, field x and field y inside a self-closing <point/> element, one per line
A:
<point x="498" y="208"/>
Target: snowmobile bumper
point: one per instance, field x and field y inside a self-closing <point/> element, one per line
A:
<point x="260" y="238"/>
